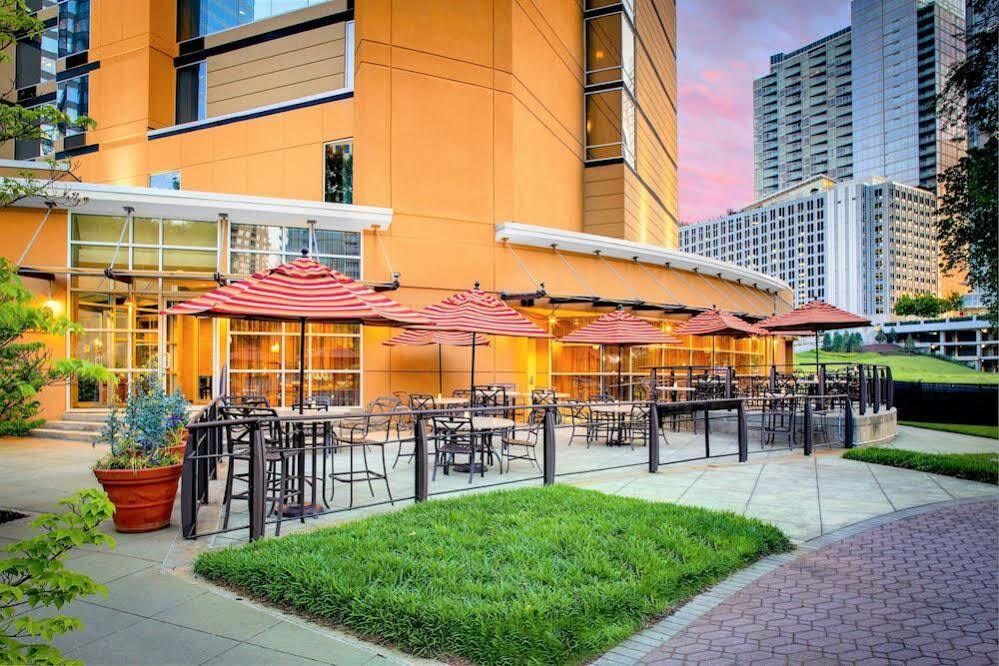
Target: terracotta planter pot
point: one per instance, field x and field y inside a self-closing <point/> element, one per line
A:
<point x="143" y="498"/>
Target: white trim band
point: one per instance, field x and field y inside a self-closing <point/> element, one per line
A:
<point x="102" y="199"/>
<point x="572" y="241"/>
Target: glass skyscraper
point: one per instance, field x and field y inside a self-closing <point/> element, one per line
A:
<point x="860" y="103"/>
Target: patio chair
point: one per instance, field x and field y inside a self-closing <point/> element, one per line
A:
<point x="637" y="424"/>
<point x="456" y="436"/>
<point x="421" y="401"/>
<point x="544" y="397"/>
<point x="577" y="416"/>
<point x="778" y="419"/>
<point x="280" y="484"/>
<point x="462" y="393"/>
<point x="374" y="429"/>
<point x="522" y="442"/>
<point x="245" y="401"/>
<point x="489" y="396"/>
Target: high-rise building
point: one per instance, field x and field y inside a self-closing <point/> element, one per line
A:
<point x="530" y="150"/>
<point x="802" y="115"/>
<point x="856" y="245"/>
<point x="860" y="103"/>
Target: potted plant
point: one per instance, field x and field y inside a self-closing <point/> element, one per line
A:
<point x="141" y="472"/>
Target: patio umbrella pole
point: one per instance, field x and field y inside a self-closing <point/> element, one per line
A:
<point x="620" y="362"/>
<point x="440" y="371"/>
<point x="472" y="386"/>
<point x="816" y="350"/>
<point x="301" y="368"/>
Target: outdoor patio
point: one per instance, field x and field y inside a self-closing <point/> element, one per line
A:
<point x="156" y="608"/>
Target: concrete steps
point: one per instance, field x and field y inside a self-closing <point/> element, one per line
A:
<point x="74" y="426"/>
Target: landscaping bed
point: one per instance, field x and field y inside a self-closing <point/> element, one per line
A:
<point x="982" y="467"/>
<point x="538" y="575"/>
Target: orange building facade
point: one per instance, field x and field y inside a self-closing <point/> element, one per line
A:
<point x="527" y="145"/>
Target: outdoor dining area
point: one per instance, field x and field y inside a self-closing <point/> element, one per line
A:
<point x="259" y="465"/>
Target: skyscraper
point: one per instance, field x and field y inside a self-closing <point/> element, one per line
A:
<point x="861" y="102"/>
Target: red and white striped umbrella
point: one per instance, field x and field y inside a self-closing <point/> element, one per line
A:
<point x="814" y="316"/>
<point x="620" y="328"/>
<point x="716" y="322"/>
<point x="474" y="311"/>
<point x="417" y="338"/>
<point x="302" y="289"/>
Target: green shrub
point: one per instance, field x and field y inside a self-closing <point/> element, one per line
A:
<point x="34" y="577"/>
<point x="982" y="467"/>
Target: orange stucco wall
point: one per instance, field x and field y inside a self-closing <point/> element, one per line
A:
<point x="465" y="115"/>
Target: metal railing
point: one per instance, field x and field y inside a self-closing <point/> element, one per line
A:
<point x="870" y="386"/>
<point x="290" y="468"/>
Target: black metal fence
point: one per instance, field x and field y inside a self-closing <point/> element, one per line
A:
<point x="971" y="404"/>
<point x="869" y="386"/>
<point x="268" y="470"/>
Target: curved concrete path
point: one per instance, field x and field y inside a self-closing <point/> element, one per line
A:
<point x="915" y="587"/>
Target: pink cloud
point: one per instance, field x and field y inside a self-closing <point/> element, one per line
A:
<point x="722" y="46"/>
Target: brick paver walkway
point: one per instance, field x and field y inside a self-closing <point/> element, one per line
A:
<point x="921" y="590"/>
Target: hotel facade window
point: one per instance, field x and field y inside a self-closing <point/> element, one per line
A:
<point x="257" y="247"/>
<point x="196" y="18"/>
<point x="74" y="27"/>
<point x="610" y="83"/>
<point x="192" y="92"/>
<point x="339" y="172"/>
<point x="35" y="59"/>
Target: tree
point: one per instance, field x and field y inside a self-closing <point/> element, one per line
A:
<point x="953" y="302"/>
<point x="909" y="345"/>
<point x="880" y="336"/>
<point x="837" y="342"/>
<point x="26" y="364"/>
<point x="827" y="345"/>
<point x="33" y="576"/>
<point x="36" y="123"/>
<point x="969" y="203"/>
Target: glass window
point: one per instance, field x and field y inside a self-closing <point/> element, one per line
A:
<point x="610" y="126"/>
<point x="340" y="172"/>
<point x="73" y="99"/>
<point x="190" y="234"/>
<point x="258" y="247"/>
<point x="35" y="60"/>
<point x="169" y="180"/>
<point x="192" y="93"/>
<point x="203" y="17"/>
<point x="74" y="27"/>
<point x="610" y="50"/>
<point x="30" y="147"/>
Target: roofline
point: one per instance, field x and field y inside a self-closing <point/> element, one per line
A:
<point x="655" y="255"/>
<point x="206" y="206"/>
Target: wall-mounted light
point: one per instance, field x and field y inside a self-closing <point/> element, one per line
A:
<point x="53" y="306"/>
<point x="275" y="348"/>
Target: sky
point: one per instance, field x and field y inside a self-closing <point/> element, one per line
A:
<point x="722" y="45"/>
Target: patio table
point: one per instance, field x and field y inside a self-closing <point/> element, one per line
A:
<point x="451" y="401"/>
<point x="487" y="426"/>
<point x="615" y="410"/>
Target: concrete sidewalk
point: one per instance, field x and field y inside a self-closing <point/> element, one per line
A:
<point x="157" y="613"/>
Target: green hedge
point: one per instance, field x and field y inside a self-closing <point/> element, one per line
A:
<point x="982" y="467"/>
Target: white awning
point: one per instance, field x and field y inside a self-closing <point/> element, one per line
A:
<point x="101" y="199"/>
<point x="655" y="255"/>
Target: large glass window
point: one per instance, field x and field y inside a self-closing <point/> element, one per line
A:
<point x="44" y="144"/>
<point x="340" y="172"/>
<point x="73" y="99"/>
<point x="168" y="180"/>
<point x="74" y="27"/>
<point x="35" y="59"/>
<point x="610" y="126"/>
<point x="610" y="83"/>
<point x="203" y="17"/>
<point x="264" y="360"/>
<point x="610" y="50"/>
<point x="192" y="92"/>
<point x="255" y="247"/>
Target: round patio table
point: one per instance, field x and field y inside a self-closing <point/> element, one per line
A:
<point x="615" y="410"/>
<point x="486" y="426"/>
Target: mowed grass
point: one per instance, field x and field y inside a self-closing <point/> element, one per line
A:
<point x="908" y="367"/>
<point x="982" y="467"/>
<point x="990" y="431"/>
<point x="539" y="575"/>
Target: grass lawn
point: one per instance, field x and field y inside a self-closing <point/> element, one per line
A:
<point x="538" y="575"/>
<point x="908" y="367"/>
<point x="992" y="432"/>
<point x="974" y="466"/>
